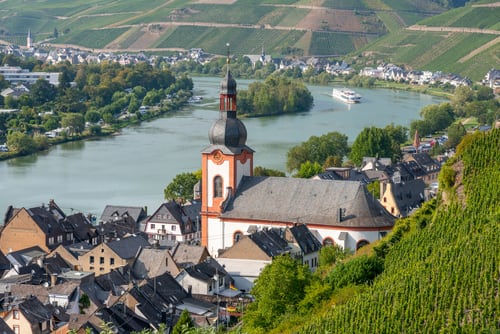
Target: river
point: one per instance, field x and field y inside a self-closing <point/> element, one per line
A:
<point x="135" y="166"/>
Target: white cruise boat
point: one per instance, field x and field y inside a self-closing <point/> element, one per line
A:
<point x="346" y="95"/>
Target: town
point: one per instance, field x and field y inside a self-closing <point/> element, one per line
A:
<point x="135" y="270"/>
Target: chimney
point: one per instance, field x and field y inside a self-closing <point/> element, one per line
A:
<point x="53" y="279"/>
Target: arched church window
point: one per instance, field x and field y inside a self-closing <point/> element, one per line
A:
<point x="328" y="242"/>
<point x="237" y="236"/>
<point x="218" y="186"/>
<point x="361" y="243"/>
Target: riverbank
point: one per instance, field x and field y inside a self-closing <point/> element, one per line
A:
<point x="106" y="130"/>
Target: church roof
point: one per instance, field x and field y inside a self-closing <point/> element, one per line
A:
<point x="328" y="203"/>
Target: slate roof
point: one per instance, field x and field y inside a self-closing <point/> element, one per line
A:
<point x="4" y="328"/>
<point x="206" y="270"/>
<point x="25" y="256"/>
<point x="188" y="255"/>
<point x="151" y="262"/>
<point x="34" y="311"/>
<point x="307" y="242"/>
<point x="270" y="241"/>
<point x="83" y="230"/>
<point x="127" y="248"/>
<point x="317" y="202"/>
<point x="112" y="212"/>
<point x="408" y="195"/>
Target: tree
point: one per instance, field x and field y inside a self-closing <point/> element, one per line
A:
<point x="398" y="133"/>
<point x="92" y="116"/>
<point x="456" y="132"/>
<point x="262" y="171"/>
<point x="317" y="149"/>
<point x="42" y="91"/>
<point x="182" y="186"/>
<point x="75" y="122"/>
<point x="55" y="34"/>
<point x="372" y="142"/>
<point x="183" y="324"/>
<point x="278" y="290"/>
<point x="21" y="142"/>
<point x="329" y="255"/>
<point x="309" y="169"/>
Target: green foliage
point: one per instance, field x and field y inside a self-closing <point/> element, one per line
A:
<point x="84" y="303"/>
<point x="329" y="255"/>
<point x="21" y="143"/>
<point x="359" y="270"/>
<point x="317" y="149"/>
<point x="278" y="290"/>
<point x="76" y="122"/>
<point x="456" y="132"/>
<point x="262" y="171"/>
<point x="184" y="324"/>
<point x="309" y="169"/>
<point x="441" y="266"/>
<point x="372" y="142"/>
<point x="374" y="188"/>
<point x="276" y="95"/>
<point x="182" y="186"/>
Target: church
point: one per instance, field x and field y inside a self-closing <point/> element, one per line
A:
<point x="236" y="203"/>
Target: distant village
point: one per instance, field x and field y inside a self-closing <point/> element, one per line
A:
<point x="136" y="270"/>
<point x="382" y="72"/>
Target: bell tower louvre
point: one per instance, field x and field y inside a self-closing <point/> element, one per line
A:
<point x="225" y="161"/>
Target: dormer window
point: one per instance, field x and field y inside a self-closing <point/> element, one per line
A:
<point x="218" y="186"/>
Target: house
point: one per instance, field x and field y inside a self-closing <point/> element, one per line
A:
<point x="29" y="316"/>
<point x="22" y="259"/>
<point x="341" y="212"/>
<point x="186" y="255"/>
<point x="152" y="262"/>
<point x="118" y="221"/>
<point x="107" y="256"/>
<point x="245" y="259"/>
<point x="250" y="254"/>
<point x="427" y="166"/>
<point x="172" y="223"/>
<point x="401" y="198"/>
<point x="42" y="226"/>
<point x="305" y="246"/>
<point x="206" y="278"/>
<point x="71" y="253"/>
<point x="15" y="92"/>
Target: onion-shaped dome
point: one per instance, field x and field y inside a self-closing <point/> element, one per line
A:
<point x="228" y="131"/>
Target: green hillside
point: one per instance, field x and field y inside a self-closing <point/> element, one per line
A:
<point x="462" y="40"/>
<point x="340" y="26"/>
<point x="441" y="273"/>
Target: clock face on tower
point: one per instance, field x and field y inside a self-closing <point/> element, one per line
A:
<point x="218" y="157"/>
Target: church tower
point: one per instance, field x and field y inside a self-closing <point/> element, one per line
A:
<point x="224" y="162"/>
<point x="29" y="40"/>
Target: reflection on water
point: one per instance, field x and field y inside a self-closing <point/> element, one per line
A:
<point x="73" y="145"/>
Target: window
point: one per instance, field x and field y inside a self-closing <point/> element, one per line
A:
<point x="218" y="186"/>
<point x="237" y="236"/>
<point x="173" y="227"/>
<point x="69" y="236"/>
<point x="91" y="259"/>
<point x="15" y="314"/>
<point x="152" y="226"/>
<point x="112" y="261"/>
<point x="16" y="329"/>
<point x="51" y="240"/>
<point x="101" y="260"/>
<point x="59" y="238"/>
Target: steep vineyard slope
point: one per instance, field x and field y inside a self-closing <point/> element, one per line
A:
<point x="443" y="277"/>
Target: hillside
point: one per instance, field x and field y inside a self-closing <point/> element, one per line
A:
<point x="464" y="40"/>
<point x="282" y="27"/>
<point x="441" y="274"/>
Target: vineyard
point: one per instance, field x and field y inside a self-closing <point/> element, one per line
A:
<point x="442" y="266"/>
